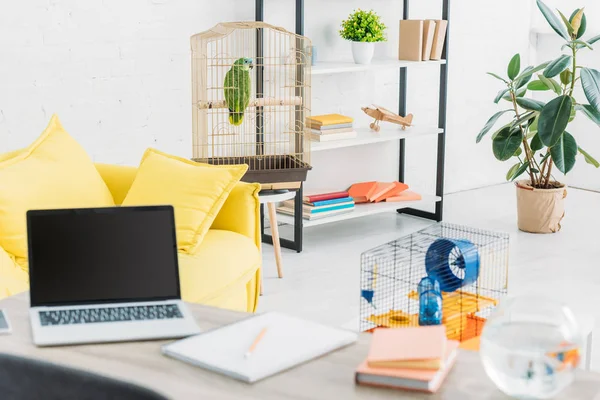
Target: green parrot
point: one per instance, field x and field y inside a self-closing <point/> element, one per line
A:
<point x="237" y="89"/>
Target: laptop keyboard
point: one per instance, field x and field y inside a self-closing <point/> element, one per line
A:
<point x="110" y="314"/>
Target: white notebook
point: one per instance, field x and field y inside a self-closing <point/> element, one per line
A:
<point x="287" y="342"/>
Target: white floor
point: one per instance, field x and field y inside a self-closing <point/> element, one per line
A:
<point x="322" y="282"/>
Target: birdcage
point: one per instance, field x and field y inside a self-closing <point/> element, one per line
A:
<point x="448" y="274"/>
<point x="251" y="97"/>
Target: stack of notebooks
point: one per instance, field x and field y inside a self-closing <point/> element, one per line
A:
<point x="325" y="128"/>
<point x="321" y="205"/>
<point x="416" y="358"/>
<point x="376" y="192"/>
<point x="422" y="40"/>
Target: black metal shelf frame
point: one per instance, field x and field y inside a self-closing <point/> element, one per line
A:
<point x="437" y="215"/>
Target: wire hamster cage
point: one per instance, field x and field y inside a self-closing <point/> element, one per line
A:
<point x="251" y="97"/>
<point x="468" y="266"/>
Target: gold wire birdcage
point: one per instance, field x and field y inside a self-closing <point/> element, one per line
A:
<point x="269" y="133"/>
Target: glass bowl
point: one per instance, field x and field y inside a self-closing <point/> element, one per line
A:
<point x="531" y="346"/>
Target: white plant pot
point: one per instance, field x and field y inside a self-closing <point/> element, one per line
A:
<point x="363" y="52"/>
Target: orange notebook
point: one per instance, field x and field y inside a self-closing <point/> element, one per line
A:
<point x="362" y="192"/>
<point x="409" y="379"/>
<point x="406" y="195"/>
<point x="396" y="190"/>
<point x="381" y="189"/>
<point x="420" y="347"/>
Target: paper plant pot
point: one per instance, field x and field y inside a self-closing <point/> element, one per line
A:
<point x="540" y="210"/>
<point x="363" y="52"/>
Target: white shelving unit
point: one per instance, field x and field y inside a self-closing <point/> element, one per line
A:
<point x="362" y="210"/>
<point x="366" y="136"/>
<point x="327" y="68"/>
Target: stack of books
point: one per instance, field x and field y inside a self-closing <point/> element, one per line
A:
<point x="422" y="40"/>
<point x="416" y="358"/>
<point x="376" y="192"/>
<point x="328" y="127"/>
<point x="321" y="205"/>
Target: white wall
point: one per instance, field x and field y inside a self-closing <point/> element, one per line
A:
<point x="548" y="46"/>
<point x="117" y="73"/>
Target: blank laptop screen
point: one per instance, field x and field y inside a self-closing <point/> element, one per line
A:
<point x="102" y="255"/>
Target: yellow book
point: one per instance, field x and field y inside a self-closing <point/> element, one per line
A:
<point x="328" y="119"/>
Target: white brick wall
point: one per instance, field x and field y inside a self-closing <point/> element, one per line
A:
<point x="117" y="73"/>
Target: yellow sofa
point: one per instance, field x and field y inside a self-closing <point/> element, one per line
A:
<point x="224" y="272"/>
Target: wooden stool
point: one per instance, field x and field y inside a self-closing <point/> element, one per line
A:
<point x="270" y="198"/>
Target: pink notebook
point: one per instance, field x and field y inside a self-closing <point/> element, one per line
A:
<point x="407" y="195"/>
<point x="409" y="379"/>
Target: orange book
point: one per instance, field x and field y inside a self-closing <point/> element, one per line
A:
<point x="394" y="191"/>
<point x="409" y="379"/>
<point x="421" y="347"/>
<point x="406" y="195"/>
<point x="380" y="190"/>
<point x="362" y="192"/>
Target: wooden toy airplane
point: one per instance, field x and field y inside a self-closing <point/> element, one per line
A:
<point x="383" y="114"/>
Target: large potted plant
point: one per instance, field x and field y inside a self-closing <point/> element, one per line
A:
<point x="363" y="29"/>
<point x="537" y="138"/>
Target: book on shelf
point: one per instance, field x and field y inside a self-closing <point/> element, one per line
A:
<point x="380" y="190"/>
<point x="329" y="128"/>
<point x="328" y="119"/>
<point x="406" y="195"/>
<point x="329" y="202"/>
<point x="316" y="210"/>
<point x="311" y="198"/>
<point x="362" y="192"/>
<point x="395" y="191"/>
<point x="439" y="39"/>
<point x="332" y="137"/>
<point x="310" y="216"/>
<point x="428" y="34"/>
<point x="332" y="131"/>
<point x="408" y="379"/>
<point x="410" y="46"/>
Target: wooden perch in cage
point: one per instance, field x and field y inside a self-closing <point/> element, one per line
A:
<point x="262" y="102"/>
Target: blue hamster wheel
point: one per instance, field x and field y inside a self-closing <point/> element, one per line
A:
<point x="454" y="263"/>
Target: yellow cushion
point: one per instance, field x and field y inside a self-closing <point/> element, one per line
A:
<point x="53" y="172"/>
<point x="196" y="191"/>
<point x="225" y="260"/>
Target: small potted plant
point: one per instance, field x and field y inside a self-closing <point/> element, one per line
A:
<point x="537" y="137"/>
<point x="363" y="29"/>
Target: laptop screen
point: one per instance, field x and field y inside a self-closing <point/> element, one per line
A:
<point x="102" y="255"/>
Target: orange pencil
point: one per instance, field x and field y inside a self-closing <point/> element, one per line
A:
<point x="255" y="343"/>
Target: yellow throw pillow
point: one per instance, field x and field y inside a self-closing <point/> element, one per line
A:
<point x="196" y="191"/>
<point x="53" y="172"/>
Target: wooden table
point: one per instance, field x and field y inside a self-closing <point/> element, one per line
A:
<point x="330" y="377"/>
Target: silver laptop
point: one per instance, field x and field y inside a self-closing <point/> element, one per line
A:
<point x="105" y="275"/>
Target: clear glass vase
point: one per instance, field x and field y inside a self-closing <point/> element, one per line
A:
<point x="530" y="347"/>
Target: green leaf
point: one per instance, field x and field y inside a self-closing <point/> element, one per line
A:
<point x="566" y="76"/>
<point x="490" y="124"/>
<point x="554" y="119"/>
<point x="533" y="128"/>
<point x="551" y="84"/>
<point x="514" y="66"/>
<point x="519" y="83"/>
<point x="530" y="104"/>
<point x="536" y="144"/>
<point x="511" y="172"/>
<point x="564" y="153"/>
<point x="520" y="93"/>
<point x="537" y="85"/>
<point x="594" y="39"/>
<point x="523" y="119"/>
<point x="590" y="80"/>
<point x="500" y="130"/>
<point x="520" y="170"/>
<point x="582" y="43"/>
<point x="497" y="77"/>
<point x="506" y="143"/>
<point x="570" y="28"/>
<point x="500" y="95"/>
<point x="573" y="112"/>
<point x="578" y="22"/>
<point x="518" y="152"/>
<point x="588" y="158"/>
<point x="552" y="19"/>
<point x="589" y="112"/>
<point x="526" y="72"/>
<point x="557" y="66"/>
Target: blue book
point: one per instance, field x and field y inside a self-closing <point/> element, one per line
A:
<point x="332" y="208"/>
<point x="330" y="202"/>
